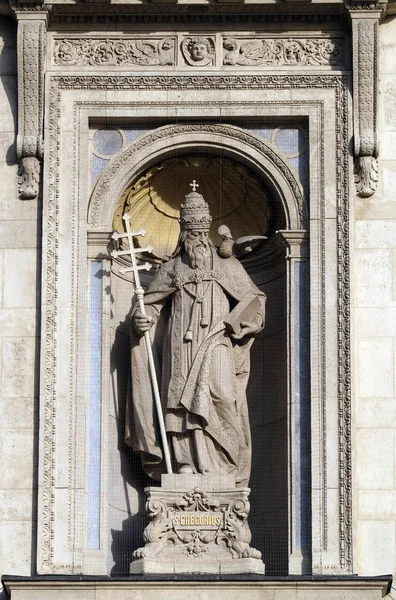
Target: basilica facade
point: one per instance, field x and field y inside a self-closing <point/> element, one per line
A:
<point x="283" y="116"/>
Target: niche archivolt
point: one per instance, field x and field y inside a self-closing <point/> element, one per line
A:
<point x="235" y="196"/>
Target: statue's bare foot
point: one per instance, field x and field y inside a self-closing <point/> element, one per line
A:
<point x="186" y="470"/>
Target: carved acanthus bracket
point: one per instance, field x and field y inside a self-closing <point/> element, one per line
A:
<point x="365" y="18"/>
<point x="32" y="24"/>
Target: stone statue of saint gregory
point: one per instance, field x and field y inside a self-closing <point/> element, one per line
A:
<point x="203" y="311"/>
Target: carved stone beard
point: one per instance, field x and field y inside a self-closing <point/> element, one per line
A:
<point x="198" y="253"/>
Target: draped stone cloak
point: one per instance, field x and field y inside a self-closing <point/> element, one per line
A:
<point x="203" y="380"/>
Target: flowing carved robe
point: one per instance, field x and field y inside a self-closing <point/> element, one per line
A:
<point x="202" y="380"/>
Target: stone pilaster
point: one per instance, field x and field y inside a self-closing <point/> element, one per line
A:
<point x="297" y="256"/>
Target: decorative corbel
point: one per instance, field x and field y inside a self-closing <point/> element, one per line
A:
<point x="32" y="26"/>
<point x="365" y="18"/>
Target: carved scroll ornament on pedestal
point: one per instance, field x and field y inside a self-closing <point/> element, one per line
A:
<point x="32" y="22"/>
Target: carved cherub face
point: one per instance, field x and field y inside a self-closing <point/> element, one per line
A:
<point x="199" y="50"/>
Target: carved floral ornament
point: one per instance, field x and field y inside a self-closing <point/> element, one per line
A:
<point x="199" y="51"/>
<point x="258" y="52"/>
<point x="115" y="52"/>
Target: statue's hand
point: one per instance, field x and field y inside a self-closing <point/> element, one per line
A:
<point x="246" y="329"/>
<point x="142" y="322"/>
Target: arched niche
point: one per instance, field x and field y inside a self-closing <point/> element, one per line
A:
<point x="276" y="371"/>
<point x="170" y="140"/>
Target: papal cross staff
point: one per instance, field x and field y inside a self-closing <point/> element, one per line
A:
<point x="135" y="268"/>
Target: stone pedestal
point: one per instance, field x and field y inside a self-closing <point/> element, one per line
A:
<point x="197" y="524"/>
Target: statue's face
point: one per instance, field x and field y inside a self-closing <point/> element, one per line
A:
<point x="199" y="51"/>
<point x="197" y="237"/>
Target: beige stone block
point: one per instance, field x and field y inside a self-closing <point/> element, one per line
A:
<point x="375" y="322"/>
<point x="17" y="234"/>
<point x="61" y="541"/>
<point x="387" y="33"/>
<point x="65" y="259"/>
<point x="394" y="275"/>
<point x="62" y="424"/>
<point x="373" y="277"/>
<point x="17" y="414"/>
<point x="61" y="592"/>
<point x="330" y="184"/>
<point x="388" y="180"/>
<point x="18" y="321"/>
<point x="374" y="373"/>
<point x="375" y="547"/>
<point x="207" y="592"/>
<point x="331" y="447"/>
<point x="7" y="149"/>
<point x="15" y="505"/>
<point x="18" y="378"/>
<point x="331" y="262"/>
<point x="388" y="147"/>
<point x="378" y="209"/>
<point x="378" y="412"/>
<point x="335" y="594"/>
<point x="333" y="532"/>
<point x="378" y="504"/>
<point x="387" y="104"/>
<point x="375" y="234"/>
<point x="11" y="205"/>
<point x="387" y="57"/>
<point x="16" y="451"/>
<point x="375" y="458"/>
<point x="65" y="353"/>
<point x="21" y="278"/>
<point x="1" y="277"/>
<point x="331" y="318"/>
<point x="15" y="547"/>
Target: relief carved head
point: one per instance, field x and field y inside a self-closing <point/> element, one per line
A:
<point x="198" y="51"/>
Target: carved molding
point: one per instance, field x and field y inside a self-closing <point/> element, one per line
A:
<point x="32" y="23"/>
<point x="339" y="84"/>
<point x="199" y="51"/>
<point x="278" y="52"/>
<point x="106" y="181"/>
<point x="30" y="7"/>
<point x="115" y="52"/>
<point x="107" y="10"/>
<point x="365" y="19"/>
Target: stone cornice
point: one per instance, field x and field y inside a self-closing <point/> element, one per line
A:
<point x="292" y="587"/>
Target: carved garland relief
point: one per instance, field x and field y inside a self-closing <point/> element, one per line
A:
<point x="115" y="52"/>
<point x="279" y="52"/>
<point x="199" y="51"/>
